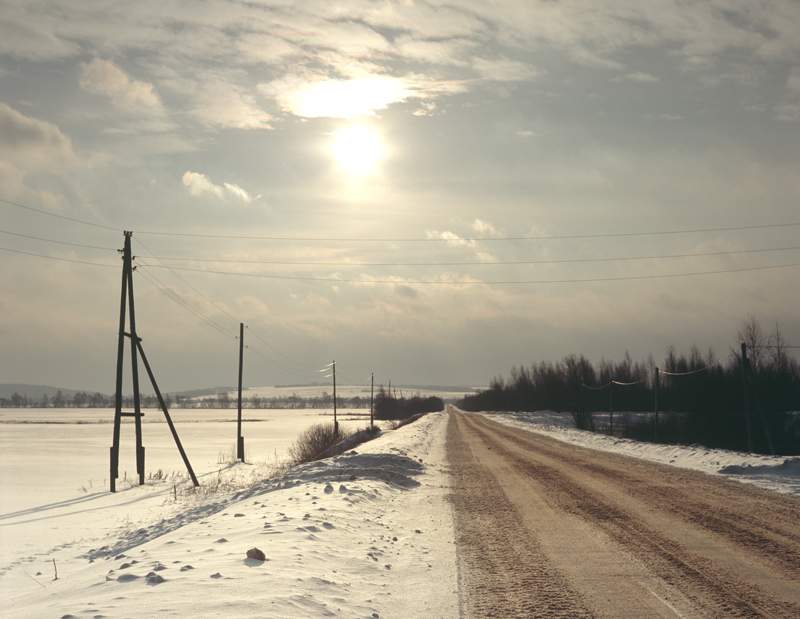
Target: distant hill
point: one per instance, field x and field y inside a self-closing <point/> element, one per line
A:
<point x="34" y="391"/>
<point x="197" y="393"/>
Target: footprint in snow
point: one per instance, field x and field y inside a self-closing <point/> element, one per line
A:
<point x="328" y="489"/>
<point x="221" y="540"/>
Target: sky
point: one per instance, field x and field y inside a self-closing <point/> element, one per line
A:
<point x="430" y="192"/>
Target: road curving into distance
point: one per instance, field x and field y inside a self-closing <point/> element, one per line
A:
<point x="552" y="530"/>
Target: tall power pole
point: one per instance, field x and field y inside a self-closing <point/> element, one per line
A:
<point x="335" y="421"/>
<point x="239" y="437"/>
<point x="137" y="350"/>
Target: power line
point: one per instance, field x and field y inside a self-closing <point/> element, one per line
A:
<point x="183" y="303"/>
<point x="474" y="263"/>
<point x="474" y="282"/>
<point x="29" y="253"/>
<point x="190" y="286"/>
<point x="484" y="239"/>
<point x="37" y="238"/>
<point x="708" y="367"/>
<point x="224" y="311"/>
<point x="313" y="368"/>
<point x="79" y="221"/>
<point x="412" y="240"/>
<point x="187" y="306"/>
<point x="278" y="365"/>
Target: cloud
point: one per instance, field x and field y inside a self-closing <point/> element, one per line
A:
<point x="451" y="237"/>
<point x="505" y="70"/>
<point x="639" y="76"/>
<point x="197" y="184"/>
<point x="426" y="108"/>
<point x="787" y="112"/>
<point x="484" y="257"/>
<point x="31" y="143"/>
<point x="337" y="98"/>
<point x="105" y="77"/>
<point x="793" y="83"/>
<point x="485" y="228"/>
<point x="223" y="105"/>
<point x="23" y="36"/>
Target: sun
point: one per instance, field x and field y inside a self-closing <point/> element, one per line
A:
<point x="358" y="150"/>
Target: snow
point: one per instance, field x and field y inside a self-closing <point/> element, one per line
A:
<point x="367" y="533"/>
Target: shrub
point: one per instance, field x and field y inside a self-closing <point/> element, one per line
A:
<point x="315" y="441"/>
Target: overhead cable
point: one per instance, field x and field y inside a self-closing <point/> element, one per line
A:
<point x="411" y="240"/>
<point x="37" y="238"/>
<point x="399" y="281"/>
<point x="30" y="253"/>
<point x="474" y="263"/>
<point x="43" y="212"/>
<point x="459" y="239"/>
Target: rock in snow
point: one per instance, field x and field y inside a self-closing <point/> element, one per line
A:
<point x="255" y="553"/>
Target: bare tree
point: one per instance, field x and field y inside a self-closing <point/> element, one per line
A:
<point x="778" y="344"/>
<point x="751" y="334"/>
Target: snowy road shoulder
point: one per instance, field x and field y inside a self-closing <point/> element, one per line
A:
<point x="365" y="534"/>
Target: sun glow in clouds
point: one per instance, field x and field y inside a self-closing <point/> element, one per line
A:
<point x="341" y="98"/>
<point x="358" y="150"/>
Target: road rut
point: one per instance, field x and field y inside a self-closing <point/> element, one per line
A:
<point x="548" y="529"/>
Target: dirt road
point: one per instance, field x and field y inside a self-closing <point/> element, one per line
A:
<point x="547" y="529"/>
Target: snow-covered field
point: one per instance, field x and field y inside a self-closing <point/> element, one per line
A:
<point x="363" y="534"/>
<point x="368" y="533"/>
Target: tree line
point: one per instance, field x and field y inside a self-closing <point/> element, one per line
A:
<point x="388" y="406"/>
<point x="83" y="399"/>
<point x="702" y="398"/>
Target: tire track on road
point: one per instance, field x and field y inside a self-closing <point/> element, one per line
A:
<point x="657" y="541"/>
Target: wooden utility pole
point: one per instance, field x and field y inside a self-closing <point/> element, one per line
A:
<point x="747" y="412"/>
<point x="127" y="309"/>
<point x="371" y="401"/>
<point x="748" y="371"/>
<point x="655" y="427"/>
<point x="335" y="421"/>
<point x="239" y="437"/>
<point x="126" y="303"/>
<point x="611" y="407"/>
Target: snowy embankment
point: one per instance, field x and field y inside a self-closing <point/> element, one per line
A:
<point x="368" y="533"/>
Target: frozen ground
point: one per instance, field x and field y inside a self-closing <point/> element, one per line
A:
<point x="365" y="534"/>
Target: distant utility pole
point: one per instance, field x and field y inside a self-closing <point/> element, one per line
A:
<point x="239" y="437"/>
<point x="371" y="401"/>
<point x="656" y="386"/>
<point x="126" y="303"/>
<point x="747" y="414"/>
<point x="747" y="368"/>
<point x="335" y="422"/>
